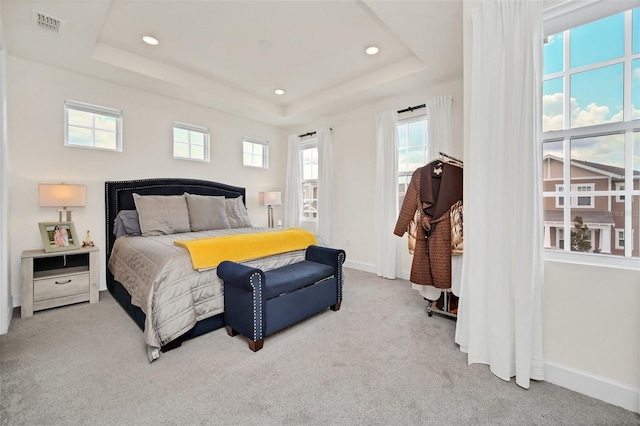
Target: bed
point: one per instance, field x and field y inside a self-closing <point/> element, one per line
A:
<point x="153" y="279"/>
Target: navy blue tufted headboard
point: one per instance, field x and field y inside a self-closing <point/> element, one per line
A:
<point x="119" y="196"/>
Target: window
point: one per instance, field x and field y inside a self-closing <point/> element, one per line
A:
<point x="412" y="150"/>
<point x="190" y="142"/>
<point x="591" y="135"/>
<point x="255" y="153"/>
<point x="619" y="186"/>
<point x="620" y="239"/>
<point x="91" y="126"/>
<point x="579" y="201"/>
<point x="309" y="158"/>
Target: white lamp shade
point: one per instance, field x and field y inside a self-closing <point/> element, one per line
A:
<point x="62" y="195"/>
<point x="272" y="198"/>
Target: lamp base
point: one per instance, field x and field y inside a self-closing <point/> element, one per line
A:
<point x="270" y="217"/>
<point x="68" y="216"/>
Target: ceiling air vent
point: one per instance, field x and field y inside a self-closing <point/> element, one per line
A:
<point x="46" y="22"/>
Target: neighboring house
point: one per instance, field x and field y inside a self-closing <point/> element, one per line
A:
<point x="603" y="215"/>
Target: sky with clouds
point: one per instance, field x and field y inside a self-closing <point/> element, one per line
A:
<point x="596" y="94"/>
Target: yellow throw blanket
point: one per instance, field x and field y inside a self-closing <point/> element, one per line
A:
<point x="207" y="253"/>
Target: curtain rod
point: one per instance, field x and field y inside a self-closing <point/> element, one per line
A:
<point x="411" y="109"/>
<point x="310" y="133"/>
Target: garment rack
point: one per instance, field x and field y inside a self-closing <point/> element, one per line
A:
<point x="431" y="306"/>
<point x="445" y="295"/>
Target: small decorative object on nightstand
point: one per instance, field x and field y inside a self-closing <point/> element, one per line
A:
<point x="88" y="242"/>
<point x="58" y="278"/>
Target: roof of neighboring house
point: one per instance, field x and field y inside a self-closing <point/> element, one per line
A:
<point x="600" y="217"/>
<point x="619" y="171"/>
<point x="605" y="167"/>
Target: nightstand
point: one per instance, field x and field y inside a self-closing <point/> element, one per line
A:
<point x="58" y="278"/>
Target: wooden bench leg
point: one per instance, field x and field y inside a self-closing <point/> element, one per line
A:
<point x="230" y="331"/>
<point x="335" y="307"/>
<point x="257" y="345"/>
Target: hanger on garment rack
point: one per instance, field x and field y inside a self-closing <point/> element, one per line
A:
<point x="451" y="160"/>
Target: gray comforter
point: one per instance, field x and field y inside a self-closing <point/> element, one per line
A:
<point x="161" y="280"/>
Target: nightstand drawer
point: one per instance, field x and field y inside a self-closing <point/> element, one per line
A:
<point x="60" y="286"/>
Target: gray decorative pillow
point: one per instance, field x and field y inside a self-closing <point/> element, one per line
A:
<point x="237" y="213"/>
<point x="162" y="214"/>
<point x="126" y="223"/>
<point x="206" y="212"/>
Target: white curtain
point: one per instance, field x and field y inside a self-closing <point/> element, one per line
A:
<point x="386" y="192"/>
<point x="500" y="310"/>
<point x="439" y="131"/>
<point x="439" y="126"/>
<point x="293" y="191"/>
<point x="326" y="187"/>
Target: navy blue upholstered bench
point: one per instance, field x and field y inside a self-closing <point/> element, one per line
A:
<point x="258" y="304"/>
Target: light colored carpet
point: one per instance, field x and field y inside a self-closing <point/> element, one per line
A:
<point x="379" y="360"/>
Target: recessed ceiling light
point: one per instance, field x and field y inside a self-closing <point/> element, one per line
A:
<point x="279" y="92"/>
<point x="372" y="50"/>
<point x="150" y="40"/>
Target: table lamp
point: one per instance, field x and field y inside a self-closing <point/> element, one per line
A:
<point x="62" y="196"/>
<point x="271" y="198"/>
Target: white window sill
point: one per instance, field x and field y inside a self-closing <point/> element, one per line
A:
<point x="591" y="259"/>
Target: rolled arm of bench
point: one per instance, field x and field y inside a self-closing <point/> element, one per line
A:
<point x="239" y="275"/>
<point x="328" y="256"/>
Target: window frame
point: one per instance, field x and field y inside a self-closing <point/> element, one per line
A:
<point x="575" y="200"/>
<point x="265" y="156"/>
<point x="311" y="143"/>
<point x="95" y="110"/>
<point x="191" y="128"/>
<point x="563" y="19"/>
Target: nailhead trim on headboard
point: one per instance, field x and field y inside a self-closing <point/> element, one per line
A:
<point x="113" y="189"/>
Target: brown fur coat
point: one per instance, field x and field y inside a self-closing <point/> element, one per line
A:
<point x="432" y="192"/>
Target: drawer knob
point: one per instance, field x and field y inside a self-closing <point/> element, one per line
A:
<point x="63" y="282"/>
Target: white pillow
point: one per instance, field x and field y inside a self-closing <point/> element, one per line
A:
<point x="237" y="213"/>
<point x="206" y="212"/>
<point x="162" y="214"/>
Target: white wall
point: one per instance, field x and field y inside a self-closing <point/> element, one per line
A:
<point x="5" y="291"/>
<point x="591" y="320"/>
<point x="36" y="95"/>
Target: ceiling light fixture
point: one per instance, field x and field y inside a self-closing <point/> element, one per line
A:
<point x="150" y="40"/>
<point x="279" y="92"/>
<point x="372" y="50"/>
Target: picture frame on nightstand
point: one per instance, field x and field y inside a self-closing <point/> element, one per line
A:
<point x="59" y="236"/>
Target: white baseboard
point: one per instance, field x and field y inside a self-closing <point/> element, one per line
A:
<point x="602" y="388"/>
<point x="404" y="274"/>
<point x="360" y="266"/>
<point x="368" y="267"/>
